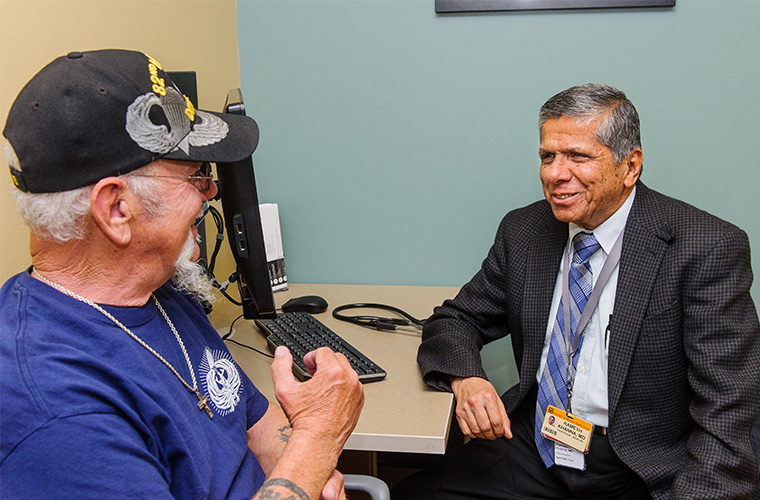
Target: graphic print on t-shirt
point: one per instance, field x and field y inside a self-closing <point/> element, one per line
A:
<point x="221" y="380"/>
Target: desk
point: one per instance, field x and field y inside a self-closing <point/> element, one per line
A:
<point x="401" y="414"/>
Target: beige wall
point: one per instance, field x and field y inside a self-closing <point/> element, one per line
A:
<point x="198" y="35"/>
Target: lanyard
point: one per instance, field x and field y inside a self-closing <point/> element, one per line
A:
<point x="572" y="346"/>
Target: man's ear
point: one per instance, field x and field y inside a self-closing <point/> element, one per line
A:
<point x="633" y="162"/>
<point x="113" y="209"/>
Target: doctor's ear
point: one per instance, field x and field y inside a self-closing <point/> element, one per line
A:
<point x="633" y="161"/>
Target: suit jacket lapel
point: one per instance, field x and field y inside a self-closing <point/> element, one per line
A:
<point x="541" y="270"/>
<point x="644" y="244"/>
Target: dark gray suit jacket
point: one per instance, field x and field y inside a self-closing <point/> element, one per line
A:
<point x="684" y="355"/>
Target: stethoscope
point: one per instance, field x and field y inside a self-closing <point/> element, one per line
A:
<point x="378" y="322"/>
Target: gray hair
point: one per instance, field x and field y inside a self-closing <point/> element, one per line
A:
<point x="619" y="129"/>
<point x="62" y="216"/>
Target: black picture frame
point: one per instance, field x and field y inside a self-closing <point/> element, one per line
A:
<point x="454" y="6"/>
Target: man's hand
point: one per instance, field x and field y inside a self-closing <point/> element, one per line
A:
<point x="326" y="406"/>
<point x="480" y="411"/>
<point x="321" y="412"/>
<point x="333" y="489"/>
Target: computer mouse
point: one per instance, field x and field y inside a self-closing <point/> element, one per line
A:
<point x="307" y="303"/>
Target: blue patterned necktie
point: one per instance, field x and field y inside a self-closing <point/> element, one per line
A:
<point x="552" y="390"/>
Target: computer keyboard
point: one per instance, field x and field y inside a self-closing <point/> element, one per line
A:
<point x="302" y="332"/>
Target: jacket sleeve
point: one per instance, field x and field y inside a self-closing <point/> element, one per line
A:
<point x="454" y="335"/>
<point x="722" y="345"/>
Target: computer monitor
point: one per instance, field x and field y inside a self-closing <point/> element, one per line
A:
<point x="240" y="205"/>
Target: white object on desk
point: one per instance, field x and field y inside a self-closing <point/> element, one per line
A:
<point x="270" y="226"/>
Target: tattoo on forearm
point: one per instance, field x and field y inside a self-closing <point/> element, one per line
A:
<point x="281" y="489"/>
<point x="285" y="432"/>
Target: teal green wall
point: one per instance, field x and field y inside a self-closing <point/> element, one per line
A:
<point x="394" y="139"/>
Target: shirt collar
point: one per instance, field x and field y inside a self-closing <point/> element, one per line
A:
<point x="609" y="231"/>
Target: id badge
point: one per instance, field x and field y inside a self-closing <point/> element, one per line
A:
<point x="569" y="457"/>
<point x="571" y="431"/>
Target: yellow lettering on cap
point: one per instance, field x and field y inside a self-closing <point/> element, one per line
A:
<point x="159" y="81"/>
<point x="190" y="109"/>
<point x="153" y="61"/>
<point x="159" y="86"/>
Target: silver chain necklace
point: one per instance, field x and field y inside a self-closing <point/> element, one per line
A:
<point x="202" y="400"/>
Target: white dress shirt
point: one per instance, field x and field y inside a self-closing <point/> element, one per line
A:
<point x="590" y="400"/>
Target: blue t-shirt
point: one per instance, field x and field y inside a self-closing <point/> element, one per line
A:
<point x="87" y="412"/>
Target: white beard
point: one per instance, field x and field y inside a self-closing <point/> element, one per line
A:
<point x="191" y="277"/>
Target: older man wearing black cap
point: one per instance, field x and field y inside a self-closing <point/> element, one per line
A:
<point x="104" y="349"/>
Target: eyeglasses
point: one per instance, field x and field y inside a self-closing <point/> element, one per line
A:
<point x="201" y="179"/>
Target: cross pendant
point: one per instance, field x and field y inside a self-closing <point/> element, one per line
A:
<point x="203" y="404"/>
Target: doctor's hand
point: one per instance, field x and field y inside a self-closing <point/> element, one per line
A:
<point x="480" y="411"/>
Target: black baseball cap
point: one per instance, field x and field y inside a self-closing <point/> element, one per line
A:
<point x="90" y="115"/>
